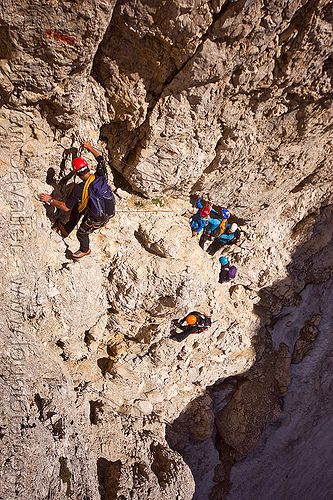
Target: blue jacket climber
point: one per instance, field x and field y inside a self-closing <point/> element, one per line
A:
<point x="200" y="219"/>
<point x="215" y="226"/>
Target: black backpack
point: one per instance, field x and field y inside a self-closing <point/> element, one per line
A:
<point x="208" y="322"/>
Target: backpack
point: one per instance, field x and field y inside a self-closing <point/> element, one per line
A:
<point x="208" y="322"/>
<point x="219" y="229"/>
<point x="232" y="273"/>
<point x="102" y="200"/>
<point x="235" y="238"/>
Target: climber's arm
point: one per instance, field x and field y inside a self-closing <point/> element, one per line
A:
<point x="198" y="203"/>
<point x="92" y="150"/>
<point x="46" y="198"/>
<point x="101" y="170"/>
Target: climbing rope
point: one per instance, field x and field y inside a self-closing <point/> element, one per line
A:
<point x="144" y="210"/>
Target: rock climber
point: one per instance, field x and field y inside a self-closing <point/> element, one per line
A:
<point x="195" y="322"/>
<point x="229" y="237"/>
<point x="92" y="198"/>
<point x="200" y="219"/>
<point x="227" y="272"/>
<point x="215" y="226"/>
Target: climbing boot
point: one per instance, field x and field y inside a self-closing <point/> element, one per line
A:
<point x="79" y="254"/>
<point x="60" y="228"/>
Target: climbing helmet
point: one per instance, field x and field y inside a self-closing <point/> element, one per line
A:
<point x="225" y="213"/>
<point x="79" y="165"/>
<point x="205" y="211"/>
<point x="191" y="319"/>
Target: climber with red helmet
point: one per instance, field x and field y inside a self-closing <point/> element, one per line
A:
<point x="196" y="322"/>
<point x="91" y="198"/>
<point x="200" y="219"/>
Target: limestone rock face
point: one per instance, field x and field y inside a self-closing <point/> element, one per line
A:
<point x="244" y="88"/>
<point x="96" y="333"/>
<point x="231" y="100"/>
<point x="47" y="53"/>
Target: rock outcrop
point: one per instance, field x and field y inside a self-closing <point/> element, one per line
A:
<point x="228" y="99"/>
